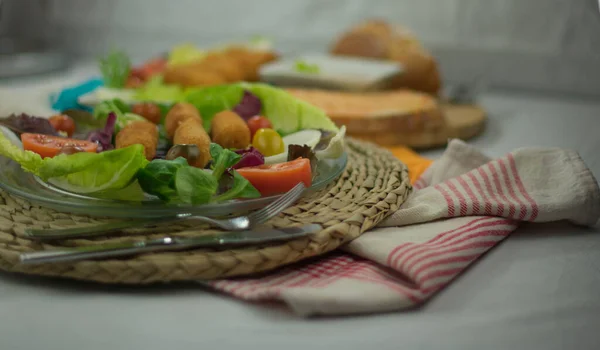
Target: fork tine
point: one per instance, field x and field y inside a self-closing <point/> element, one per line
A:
<point x="273" y="211"/>
<point x="266" y="215"/>
<point x="276" y="203"/>
<point x="277" y="206"/>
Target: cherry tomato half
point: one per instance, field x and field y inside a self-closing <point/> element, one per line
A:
<point x="139" y="75"/>
<point x="258" y="122"/>
<point x="63" y="123"/>
<point x="278" y="178"/>
<point x="49" y="146"/>
<point x="268" y="142"/>
<point x="150" y="111"/>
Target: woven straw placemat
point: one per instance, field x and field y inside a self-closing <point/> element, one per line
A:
<point x="373" y="185"/>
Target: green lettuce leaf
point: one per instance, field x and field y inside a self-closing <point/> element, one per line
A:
<point x="185" y="53"/>
<point x="222" y="159"/>
<point x="28" y="160"/>
<point x="81" y="172"/>
<point x="195" y="186"/>
<point x="120" y="108"/>
<point x="115" y="68"/>
<point x="176" y="181"/>
<point x="158" y="178"/>
<point x="241" y="188"/>
<point x="287" y="113"/>
<point x="214" y="99"/>
<point x="94" y="172"/>
<point x="156" y="90"/>
<point x="132" y="193"/>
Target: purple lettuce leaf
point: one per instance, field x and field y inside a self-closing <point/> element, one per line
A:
<point x="24" y="123"/>
<point x="250" y="157"/>
<point x="103" y="137"/>
<point x="249" y="106"/>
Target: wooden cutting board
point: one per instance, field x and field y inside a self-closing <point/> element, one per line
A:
<point x="400" y="117"/>
<point x="461" y="122"/>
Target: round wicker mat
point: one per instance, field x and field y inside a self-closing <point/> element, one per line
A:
<point x="373" y="185"/>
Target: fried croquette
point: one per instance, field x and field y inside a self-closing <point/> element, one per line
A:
<point x="191" y="132"/>
<point x="229" y="130"/>
<point x="178" y="114"/>
<point x="139" y="132"/>
<point x="225" y="65"/>
<point x="150" y="111"/>
<point x="192" y="74"/>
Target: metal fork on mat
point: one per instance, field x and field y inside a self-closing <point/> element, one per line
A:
<point x="231" y="224"/>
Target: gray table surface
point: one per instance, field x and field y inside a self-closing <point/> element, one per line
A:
<point x="537" y="290"/>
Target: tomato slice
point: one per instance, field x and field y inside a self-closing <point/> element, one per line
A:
<point x="139" y="75"/>
<point x="278" y="178"/>
<point x="63" y="123"/>
<point x="151" y="67"/>
<point x="49" y="146"/>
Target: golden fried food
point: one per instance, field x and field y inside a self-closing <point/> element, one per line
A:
<point x="225" y="65"/>
<point x="250" y="60"/>
<point x="178" y="114"/>
<point x="229" y="130"/>
<point x="233" y="64"/>
<point x="191" y="132"/>
<point x="192" y="74"/>
<point x="139" y="132"/>
<point x="150" y="111"/>
<point x="242" y="56"/>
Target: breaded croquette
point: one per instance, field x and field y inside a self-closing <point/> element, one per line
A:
<point x="223" y="64"/>
<point x="246" y="61"/>
<point x="229" y="130"/>
<point x="150" y="111"/>
<point x="192" y="74"/>
<point x="233" y="64"/>
<point x="139" y="132"/>
<point x="191" y="132"/>
<point x="250" y="60"/>
<point x="178" y="114"/>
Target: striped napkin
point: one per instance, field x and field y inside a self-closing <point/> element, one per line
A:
<point x="463" y="205"/>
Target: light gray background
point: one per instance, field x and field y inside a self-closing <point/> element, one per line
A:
<point x="542" y="44"/>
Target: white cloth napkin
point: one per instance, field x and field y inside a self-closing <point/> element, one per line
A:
<point x="463" y="205"/>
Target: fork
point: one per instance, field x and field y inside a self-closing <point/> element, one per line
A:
<point x="239" y="223"/>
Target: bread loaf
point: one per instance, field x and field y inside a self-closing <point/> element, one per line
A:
<point x="380" y="40"/>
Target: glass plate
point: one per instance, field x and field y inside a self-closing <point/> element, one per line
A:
<point x="20" y="183"/>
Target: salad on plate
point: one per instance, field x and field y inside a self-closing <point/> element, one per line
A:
<point x="181" y="71"/>
<point x="208" y="145"/>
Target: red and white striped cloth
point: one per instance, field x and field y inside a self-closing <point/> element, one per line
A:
<point x="463" y="205"/>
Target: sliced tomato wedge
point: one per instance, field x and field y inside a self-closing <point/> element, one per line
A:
<point x="150" y="68"/>
<point x="278" y="178"/>
<point x="141" y="74"/>
<point x="49" y="146"/>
